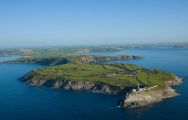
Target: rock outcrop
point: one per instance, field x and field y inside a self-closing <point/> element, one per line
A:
<point x="144" y="98"/>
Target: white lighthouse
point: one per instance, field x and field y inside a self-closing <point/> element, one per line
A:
<point x="138" y="86"/>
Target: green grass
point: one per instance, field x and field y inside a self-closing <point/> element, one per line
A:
<point x="113" y="74"/>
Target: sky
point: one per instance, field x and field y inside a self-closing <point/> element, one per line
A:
<point x="91" y="22"/>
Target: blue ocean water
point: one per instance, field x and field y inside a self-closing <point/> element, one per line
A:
<point x="23" y="102"/>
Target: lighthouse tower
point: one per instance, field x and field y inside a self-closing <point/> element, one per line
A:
<point x="138" y="86"/>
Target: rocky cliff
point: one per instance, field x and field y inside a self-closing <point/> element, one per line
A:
<point x="147" y="97"/>
<point x="73" y="85"/>
<point x="99" y="59"/>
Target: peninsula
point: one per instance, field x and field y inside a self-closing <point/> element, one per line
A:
<point x="108" y="78"/>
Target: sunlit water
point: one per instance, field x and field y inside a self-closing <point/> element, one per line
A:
<point x="23" y="102"/>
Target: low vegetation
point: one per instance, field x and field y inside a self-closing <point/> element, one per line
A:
<point x="72" y="59"/>
<point x="119" y="75"/>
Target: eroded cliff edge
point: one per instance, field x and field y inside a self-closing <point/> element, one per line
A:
<point x="150" y="96"/>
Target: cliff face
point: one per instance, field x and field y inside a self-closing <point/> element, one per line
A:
<point x="133" y="100"/>
<point x="99" y="59"/>
<point x="41" y="61"/>
<point x="144" y="98"/>
<point x="73" y="85"/>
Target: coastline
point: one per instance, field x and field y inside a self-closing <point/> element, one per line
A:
<point x="148" y="97"/>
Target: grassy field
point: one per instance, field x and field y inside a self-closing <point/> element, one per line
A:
<point x="119" y="75"/>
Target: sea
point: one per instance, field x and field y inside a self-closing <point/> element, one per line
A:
<point x="19" y="101"/>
